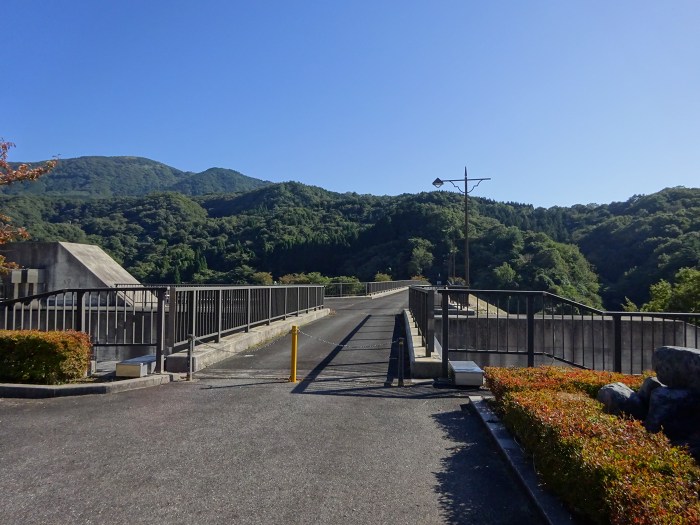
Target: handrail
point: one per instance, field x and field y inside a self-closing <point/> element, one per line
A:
<point x="160" y="317"/>
<point x="524" y="328"/>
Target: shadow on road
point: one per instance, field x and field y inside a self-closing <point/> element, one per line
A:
<point x="474" y="485"/>
<point x="319" y="368"/>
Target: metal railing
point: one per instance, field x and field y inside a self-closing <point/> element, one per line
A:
<point x="157" y="319"/>
<point x="421" y="303"/>
<point x="519" y="328"/>
<point x="348" y="289"/>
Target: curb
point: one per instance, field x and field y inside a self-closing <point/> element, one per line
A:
<point x="46" y="391"/>
<point x="550" y="507"/>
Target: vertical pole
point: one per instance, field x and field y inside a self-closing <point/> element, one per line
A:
<point x="190" y="358"/>
<point x="400" y="362"/>
<point x="160" y="331"/>
<point x="430" y="329"/>
<point x="617" y="338"/>
<point x="248" y="307"/>
<point x="530" y="331"/>
<point x="295" y="337"/>
<point x="466" y="228"/>
<point x="171" y="324"/>
<point x="219" y="313"/>
<point x="80" y="321"/>
<point x="445" y="369"/>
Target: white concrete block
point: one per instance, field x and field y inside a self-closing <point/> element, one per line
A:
<point x="466" y="373"/>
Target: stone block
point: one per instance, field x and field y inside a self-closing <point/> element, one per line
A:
<point x="678" y="367"/>
<point x="675" y="410"/>
<point x="650" y="384"/>
<point x="618" y="398"/>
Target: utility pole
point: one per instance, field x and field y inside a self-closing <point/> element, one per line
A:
<point x="467" y="190"/>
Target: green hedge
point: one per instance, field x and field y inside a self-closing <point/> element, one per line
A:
<point x="607" y="468"/>
<point x="30" y="356"/>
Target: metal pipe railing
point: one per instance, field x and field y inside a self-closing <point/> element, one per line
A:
<point x="158" y="318"/>
<point x="526" y="328"/>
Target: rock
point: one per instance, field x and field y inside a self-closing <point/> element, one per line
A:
<point x="677" y="410"/>
<point x="650" y="384"/>
<point x="678" y="367"/>
<point x="618" y="398"/>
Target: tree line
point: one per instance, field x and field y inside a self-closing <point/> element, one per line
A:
<point x="599" y="254"/>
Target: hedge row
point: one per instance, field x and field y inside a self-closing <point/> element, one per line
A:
<point x="29" y="356"/>
<point x="503" y="380"/>
<point x="607" y="468"/>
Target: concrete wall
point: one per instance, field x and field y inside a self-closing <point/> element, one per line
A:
<point x="587" y="341"/>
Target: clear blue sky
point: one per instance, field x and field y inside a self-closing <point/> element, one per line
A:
<point x="559" y="102"/>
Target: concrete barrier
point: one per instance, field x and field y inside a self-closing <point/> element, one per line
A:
<point x="211" y="353"/>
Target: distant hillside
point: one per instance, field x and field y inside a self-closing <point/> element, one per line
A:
<point x="166" y="225"/>
<point x="102" y="177"/>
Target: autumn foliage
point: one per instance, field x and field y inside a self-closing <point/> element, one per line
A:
<point x="606" y="468"/>
<point x="8" y="175"/>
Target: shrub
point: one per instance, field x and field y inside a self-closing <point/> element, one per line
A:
<point x="30" y="356"/>
<point x="502" y="380"/>
<point x="608" y="468"/>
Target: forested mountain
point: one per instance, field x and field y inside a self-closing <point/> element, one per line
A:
<point x="203" y="232"/>
<point x="98" y="177"/>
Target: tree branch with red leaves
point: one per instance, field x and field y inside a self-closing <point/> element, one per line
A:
<point x="9" y="175"/>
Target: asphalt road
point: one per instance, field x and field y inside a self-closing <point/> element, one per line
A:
<point x="242" y="445"/>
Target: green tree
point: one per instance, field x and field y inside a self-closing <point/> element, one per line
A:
<point x="681" y="296"/>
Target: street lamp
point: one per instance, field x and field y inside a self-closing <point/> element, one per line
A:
<point x="438" y="183"/>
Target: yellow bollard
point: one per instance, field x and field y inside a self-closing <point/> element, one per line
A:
<point x="295" y="337"/>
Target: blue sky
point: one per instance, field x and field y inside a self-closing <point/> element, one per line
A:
<point x="558" y="102"/>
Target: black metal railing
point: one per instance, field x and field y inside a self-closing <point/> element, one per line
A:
<point x="348" y="289"/>
<point x="161" y="318"/>
<point x="525" y="328"/>
<point x="421" y="304"/>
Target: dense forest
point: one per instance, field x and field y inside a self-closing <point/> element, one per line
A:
<point x="165" y="225"/>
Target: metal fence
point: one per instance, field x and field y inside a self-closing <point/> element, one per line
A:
<point x="518" y="328"/>
<point x="365" y="288"/>
<point x="157" y="319"/>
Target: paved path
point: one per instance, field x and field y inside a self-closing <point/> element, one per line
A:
<point x="241" y="445"/>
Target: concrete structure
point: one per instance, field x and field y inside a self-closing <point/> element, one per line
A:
<point x="52" y="266"/>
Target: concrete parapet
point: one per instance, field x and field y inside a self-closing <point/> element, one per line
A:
<point x="211" y="353"/>
<point x="422" y="366"/>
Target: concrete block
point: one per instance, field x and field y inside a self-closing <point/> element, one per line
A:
<point x="466" y="373"/>
<point x="136" y="367"/>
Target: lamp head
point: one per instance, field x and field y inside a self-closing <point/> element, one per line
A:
<point x="437" y="183"/>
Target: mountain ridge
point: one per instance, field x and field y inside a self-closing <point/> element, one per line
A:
<point x="123" y="176"/>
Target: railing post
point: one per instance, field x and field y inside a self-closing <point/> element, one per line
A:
<point x="171" y="319"/>
<point x="400" y="362"/>
<point x="193" y="305"/>
<point x="430" y="324"/>
<point x="617" y="338"/>
<point x="190" y="352"/>
<point x="219" y="313"/>
<point x="80" y="321"/>
<point x="286" y="300"/>
<point x="160" y="331"/>
<point x="248" y="308"/>
<point x="269" y="305"/>
<point x="530" y="331"/>
<point x="445" y="369"/>
<point x="293" y="364"/>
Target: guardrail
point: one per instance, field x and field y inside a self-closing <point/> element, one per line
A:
<point x="526" y="328"/>
<point x="160" y="318"/>
<point x="365" y="288"/>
